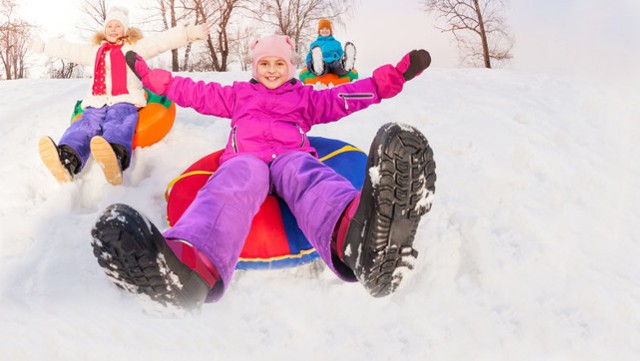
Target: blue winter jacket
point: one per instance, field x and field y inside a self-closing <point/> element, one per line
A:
<point x="331" y="48"/>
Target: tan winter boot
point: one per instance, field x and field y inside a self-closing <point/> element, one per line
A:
<point x="51" y="158"/>
<point x="104" y="154"/>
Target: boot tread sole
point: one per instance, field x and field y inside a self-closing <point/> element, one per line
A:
<point x="51" y="159"/>
<point x="103" y="153"/>
<point x="138" y="261"/>
<point x="317" y="61"/>
<point x="349" y="56"/>
<point x="401" y="197"/>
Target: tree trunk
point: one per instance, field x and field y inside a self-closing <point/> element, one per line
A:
<point x="483" y="36"/>
<point x="212" y="54"/>
<point x="185" y="60"/>
<point x="224" y="51"/>
<point x="175" y="62"/>
<point x="15" y="67"/>
<point x="223" y="40"/>
<point x="7" y="65"/>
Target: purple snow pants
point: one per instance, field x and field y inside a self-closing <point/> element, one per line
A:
<point x="219" y="219"/>
<point x="116" y="123"/>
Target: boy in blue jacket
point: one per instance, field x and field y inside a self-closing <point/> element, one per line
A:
<point x="326" y="54"/>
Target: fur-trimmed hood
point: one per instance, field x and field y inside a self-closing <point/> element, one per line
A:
<point x="133" y="35"/>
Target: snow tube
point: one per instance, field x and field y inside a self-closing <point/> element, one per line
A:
<point x="328" y="79"/>
<point x="154" y="120"/>
<point x="275" y="240"/>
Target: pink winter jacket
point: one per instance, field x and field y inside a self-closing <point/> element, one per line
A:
<point x="267" y="123"/>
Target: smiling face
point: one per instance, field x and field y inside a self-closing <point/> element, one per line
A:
<point x="113" y="31"/>
<point x="272" y="71"/>
<point x="324" y="32"/>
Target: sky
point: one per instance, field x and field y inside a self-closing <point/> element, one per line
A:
<point x="582" y="37"/>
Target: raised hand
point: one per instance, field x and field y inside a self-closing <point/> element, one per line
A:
<point x="137" y="64"/>
<point x="199" y="32"/>
<point x="156" y="80"/>
<point x="412" y="64"/>
<point x="390" y="79"/>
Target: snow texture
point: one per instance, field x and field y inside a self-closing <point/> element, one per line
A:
<point x="530" y="251"/>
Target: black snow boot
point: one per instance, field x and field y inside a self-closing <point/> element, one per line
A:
<point x="398" y="190"/>
<point x="136" y="257"/>
<point x="69" y="158"/>
<point x="121" y="154"/>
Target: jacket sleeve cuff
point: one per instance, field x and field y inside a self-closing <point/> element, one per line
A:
<point x="388" y="81"/>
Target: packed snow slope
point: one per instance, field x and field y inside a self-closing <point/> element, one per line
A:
<point x="529" y="253"/>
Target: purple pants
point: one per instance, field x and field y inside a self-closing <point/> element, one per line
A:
<point x="116" y="123"/>
<point x="219" y="219"/>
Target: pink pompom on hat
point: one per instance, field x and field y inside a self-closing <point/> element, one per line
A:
<point x="279" y="46"/>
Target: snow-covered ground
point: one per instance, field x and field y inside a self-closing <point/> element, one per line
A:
<point x="530" y="251"/>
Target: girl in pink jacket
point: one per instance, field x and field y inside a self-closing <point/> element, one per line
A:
<point x="365" y="235"/>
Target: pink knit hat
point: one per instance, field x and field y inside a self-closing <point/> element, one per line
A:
<point x="279" y="46"/>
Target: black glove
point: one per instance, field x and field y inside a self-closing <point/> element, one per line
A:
<point x="156" y="80"/>
<point x="414" y="63"/>
<point x="137" y="64"/>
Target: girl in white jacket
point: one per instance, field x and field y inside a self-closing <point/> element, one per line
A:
<point x="111" y="106"/>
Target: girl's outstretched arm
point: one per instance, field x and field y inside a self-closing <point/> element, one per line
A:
<point x="83" y="54"/>
<point x="386" y="82"/>
<point x="209" y="98"/>
<point x="205" y="98"/>
<point x="173" y="38"/>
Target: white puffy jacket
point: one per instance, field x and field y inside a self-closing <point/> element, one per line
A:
<point x="148" y="48"/>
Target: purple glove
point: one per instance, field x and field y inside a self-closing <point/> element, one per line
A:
<point x="156" y="80"/>
<point x="389" y="80"/>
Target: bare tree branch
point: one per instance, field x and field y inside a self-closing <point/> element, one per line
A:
<point x="62" y="69"/>
<point x="220" y="14"/>
<point x="169" y="14"/>
<point x="298" y="18"/>
<point x="14" y="38"/>
<point x="96" y="11"/>
<point x="478" y="27"/>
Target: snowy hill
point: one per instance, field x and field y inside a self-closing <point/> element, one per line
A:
<point x="529" y="253"/>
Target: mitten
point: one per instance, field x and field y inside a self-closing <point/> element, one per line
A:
<point x="390" y="79"/>
<point x="36" y="44"/>
<point x="198" y="32"/>
<point x="412" y="64"/>
<point x="156" y="80"/>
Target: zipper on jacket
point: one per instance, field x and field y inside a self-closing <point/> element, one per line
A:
<point x="302" y="134"/>
<point x="234" y="141"/>
<point x="346" y="96"/>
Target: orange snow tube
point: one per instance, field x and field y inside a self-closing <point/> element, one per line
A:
<point x="328" y="79"/>
<point x="154" y="120"/>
